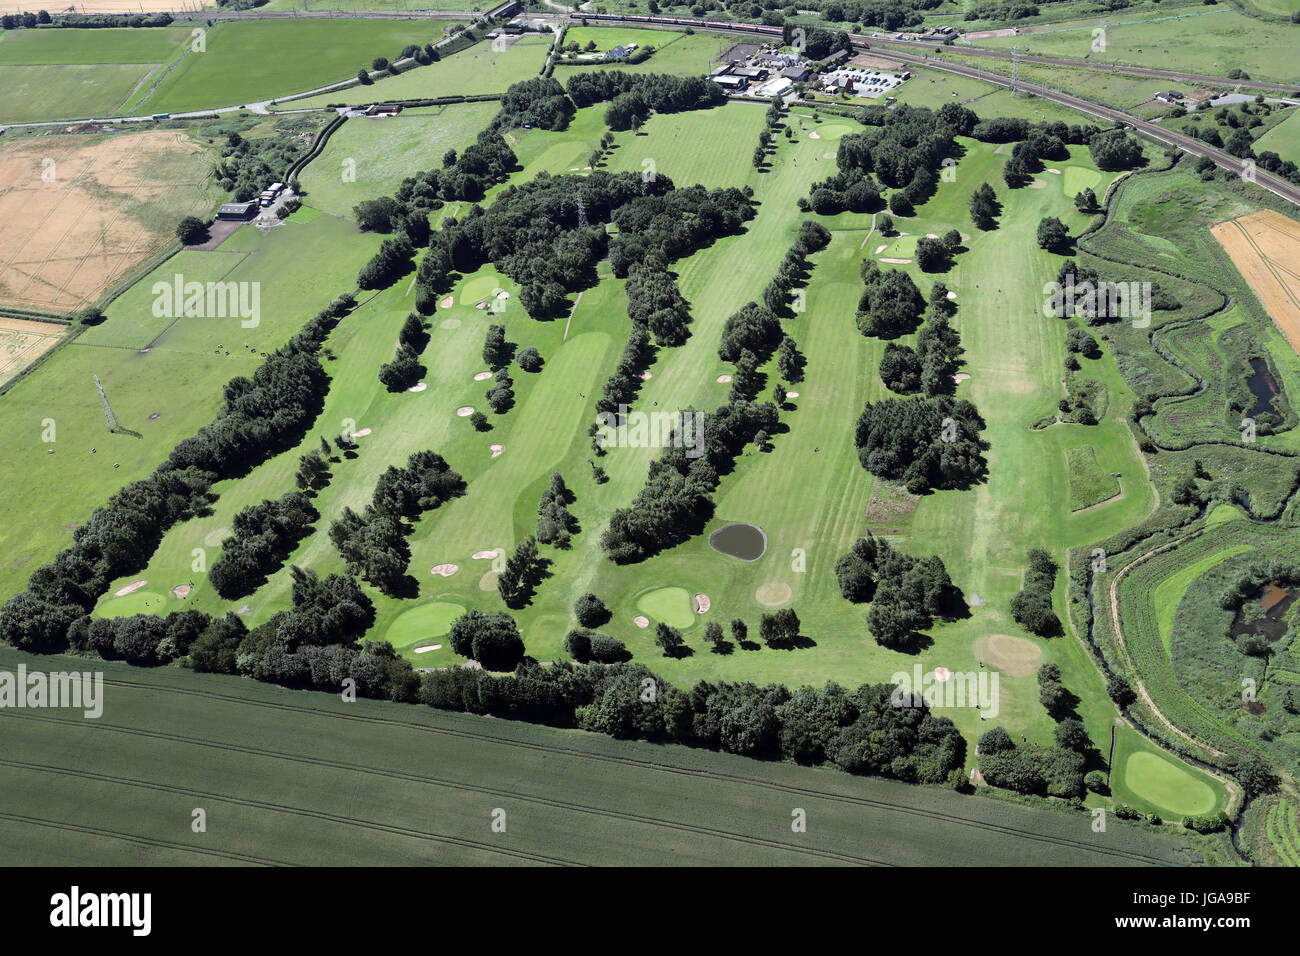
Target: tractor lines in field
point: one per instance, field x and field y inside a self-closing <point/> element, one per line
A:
<point x="633" y="762"/>
<point x="444" y="782"/>
<point x="134" y="838"/>
<point x="282" y="808"/>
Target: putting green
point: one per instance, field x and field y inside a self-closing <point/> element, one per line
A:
<point x="421" y="624"/>
<point x="899" y="247"/>
<point x="1075" y="179"/>
<point x="138" y="602"/>
<point x="478" y="288"/>
<point x="832" y="131"/>
<point x="670" y="605"/>
<point x="1167" y="786"/>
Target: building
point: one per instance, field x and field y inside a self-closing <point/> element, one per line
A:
<point x="237" y="211"/>
<point x="383" y="109"/>
<point x="776" y="87"/>
<point x="732" y="84"/>
<point x="796" y="74"/>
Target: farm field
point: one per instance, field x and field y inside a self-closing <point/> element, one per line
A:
<point x="22" y="342"/>
<point x="120" y="789"/>
<point x="81" y="211"/>
<point x="473" y="71"/>
<point x="368" y="158"/>
<point x="1283" y="139"/>
<point x="1211" y="42"/>
<point x="292" y="57"/>
<point x="1265" y="248"/>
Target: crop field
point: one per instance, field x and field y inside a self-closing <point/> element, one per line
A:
<point x="366" y="158"/>
<point x="476" y="70"/>
<point x="121" y="788"/>
<point x="80" y="212"/>
<point x="1265" y="248"/>
<point x="22" y="342"/>
<point x="290" y="56"/>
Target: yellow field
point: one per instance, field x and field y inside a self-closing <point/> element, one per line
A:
<point x="23" y="342"/>
<point x="78" y="212"/>
<point x="1265" y="248"/>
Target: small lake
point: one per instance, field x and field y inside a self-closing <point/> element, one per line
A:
<point x="744" y="541"/>
<point x="1263" y="386"/>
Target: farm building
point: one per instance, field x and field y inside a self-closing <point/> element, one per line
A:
<point x="237" y="211"/>
<point x="732" y="84"/>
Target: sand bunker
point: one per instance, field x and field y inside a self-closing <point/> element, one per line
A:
<point x="482" y="376"/>
<point x="702" y="604"/>
<point x="960" y="377"/>
<point x="880" y="249"/>
<point x="814" y="135"/>
<point x="791" y="394"/>
<point x="213" y="539"/>
<point x="427" y="648"/>
<point x="181" y="591"/>
<point x="773" y="594"/>
<point x="1013" y="656"/>
<point x="446" y="302"/>
<point x="932" y="235"/>
<point x="481" y="305"/>
<point x="502" y="294"/>
<point x="942" y="675"/>
<point x="951" y="294"/>
<point x="646" y="376"/>
<point x="1056" y="172"/>
<point x="496" y="450"/>
<point x="418" y="387"/>
<point x="482" y="555"/>
<point x="724" y="379"/>
<point x="135" y="586"/>
<point x="449" y="324"/>
<point x="897" y="262"/>
<point x="465" y="411"/>
<point x="361" y="434"/>
<point x="641" y="621"/>
<point x="444" y="570"/>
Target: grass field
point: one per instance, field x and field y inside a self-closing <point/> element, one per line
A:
<point x="170" y="740"/>
<point x="1209" y="41"/>
<point x="366" y="159"/>
<point x="1089" y="485"/>
<point x="1154" y="781"/>
<point x="80" y="212"/>
<point x="478" y="69"/>
<point x="1283" y="139"/>
<point x="252" y="61"/>
<point x="675" y="52"/>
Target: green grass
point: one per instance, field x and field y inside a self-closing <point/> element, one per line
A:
<point x="296" y="778"/>
<point x="1211" y="42"/>
<point x="126" y="45"/>
<point x="423" y="623"/>
<point x="1089" y="485"/>
<point x="1283" y="139"/>
<point x="671" y="605"/>
<point x="137" y="602"/>
<point x="1169" y="593"/>
<point x="476" y="70"/>
<point x="1283" y="833"/>
<point x="675" y="52"/>
<point x="1150" y="779"/>
<point x="376" y="155"/>
<point x="252" y="61"/>
<point x="66" y="91"/>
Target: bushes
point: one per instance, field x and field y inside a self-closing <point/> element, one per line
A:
<point x="585" y="646"/>
<point x="555" y="524"/>
<point x="890" y="305"/>
<point x="489" y="637"/>
<point x="925" y="442"/>
<point x="1032" y="606"/>
<point x="264" y="535"/>
<point x="906" y="593"/>
<point x="192" y="231"/>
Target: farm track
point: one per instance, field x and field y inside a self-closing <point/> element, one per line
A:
<point x="587" y="755"/>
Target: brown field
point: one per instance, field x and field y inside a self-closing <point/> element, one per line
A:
<point x="874" y="62"/>
<point x="1265" y="248"/>
<point x="111" y="202"/>
<point x="23" y="342"/>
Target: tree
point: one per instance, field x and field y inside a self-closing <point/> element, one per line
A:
<point x="1052" y="234"/>
<point x="984" y="207"/>
<point x="192" y="231"/>
<point x="379" y="63"/>
<point x="995" y="740"/>
<point x="713" y="635"/>
<point x="739" y="630"/>
<point x="496" y="351"/>
<point x="590" y="610"/>
<point x="1071" y="735"/>
<point x="1085" y="201"/>
<point x="669" y="639"/>
<point x="529" y="359"/>
<point x="1255" y="774"/>
<point x="489" y="637"/>
<point x="479" y="421"/>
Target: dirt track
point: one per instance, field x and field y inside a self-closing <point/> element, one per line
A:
<point x="1265" y="248"/>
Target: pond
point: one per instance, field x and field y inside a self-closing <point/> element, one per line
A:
<point x="1268" y="617"/>
<point x="744" y="541"/>
<point x="1263" y="386"/>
